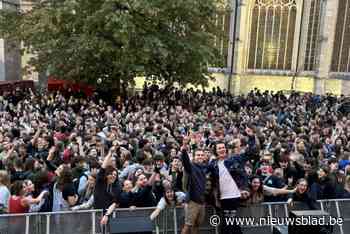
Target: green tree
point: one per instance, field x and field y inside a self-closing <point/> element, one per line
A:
<point x="117" y="40"/>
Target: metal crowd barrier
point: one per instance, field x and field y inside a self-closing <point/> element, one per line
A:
<point x="170" y="221"/>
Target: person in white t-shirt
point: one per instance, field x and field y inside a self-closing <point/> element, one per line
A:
<point x="230" y="178"/>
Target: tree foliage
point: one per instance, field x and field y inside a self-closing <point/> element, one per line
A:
<point x="117" y="39"/>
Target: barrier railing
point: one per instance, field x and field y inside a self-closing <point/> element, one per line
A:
<point x="170" y="221"/>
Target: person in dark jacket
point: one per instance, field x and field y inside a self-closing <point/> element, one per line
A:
<point x="195" y="197"/>
<point x="230" y="178"/>
<point x="301" y="195"/>
<point x="107" y="190"/>
<point x="142" y="195"/>
<point x="327" y="185"/>
<point x="125" y="200"/>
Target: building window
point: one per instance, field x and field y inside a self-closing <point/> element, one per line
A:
<point x="341" y="51"/>
<point x="272" y="34"/>
<point x="312" y="35"/>
<point x="221" y="38"/>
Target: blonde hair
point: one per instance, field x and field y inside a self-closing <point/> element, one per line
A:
<point x="4" y="178"/>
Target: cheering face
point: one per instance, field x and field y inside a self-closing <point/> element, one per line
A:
<point x="302" y="187"/>
<point x="111" y="178"/>
<point x="91" y="181"/>
<point x="338" y="142"/>
<point x="221" y="150"/>
<point x="142" y="181"/>
<point x="28" y="187"/>
<point x="248" y="170"/>
<point x="41" y="143"/>
<point x="170" y="195"/>
<point x="173" y="153"/>
<point x="176" y="163"/>
<point x="256" y="184"/>
<point x="127" y="186"/>
<point x="93" y="153"/>
<point x="199" y="157"/>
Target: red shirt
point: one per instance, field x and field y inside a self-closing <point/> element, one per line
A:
<point x="15" y="205"/>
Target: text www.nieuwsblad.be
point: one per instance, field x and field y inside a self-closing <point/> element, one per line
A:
<point x="215" y="220"/>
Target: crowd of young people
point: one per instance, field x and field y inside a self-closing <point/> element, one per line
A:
<point x="165" y="147"/>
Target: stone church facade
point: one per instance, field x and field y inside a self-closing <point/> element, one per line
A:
<point x="290" y="45"/>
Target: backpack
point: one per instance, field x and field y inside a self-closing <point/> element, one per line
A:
<point x="76" y="181"/>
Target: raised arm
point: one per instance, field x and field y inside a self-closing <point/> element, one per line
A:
<point x="251" y="150"/>
<point x="36" y="136"/>
<point x="9" y="153"/>
<point x="152" y="179"/>
<point x="29" y="200"/>
<point x="277" y="191"/>
<point x="108" y="159"/>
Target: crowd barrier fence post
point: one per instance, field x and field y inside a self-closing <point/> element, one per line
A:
<point x="27" y="224"/>
<point x="47" y="224"/>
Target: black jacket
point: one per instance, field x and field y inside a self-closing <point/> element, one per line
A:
<point x="327" y="188"/>
<point x="196" y="179"/>
<point x="104" y="194"/>
<point x="305" y="201"/>
<point x="144" y="197"/>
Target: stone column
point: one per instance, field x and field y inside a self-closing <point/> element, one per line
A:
<point x="297" y="49"/>
<point x="242" y="42"/>
<point x="303" y="40"/>
<point x="327" y="35"/>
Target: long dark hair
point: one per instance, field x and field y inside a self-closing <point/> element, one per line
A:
<point x="29" y="164"/>
<point x="17" y="188"/>
<point x="261" y="187"/>
<point x="66" y="177"/>
<point x="165" y="197"/>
